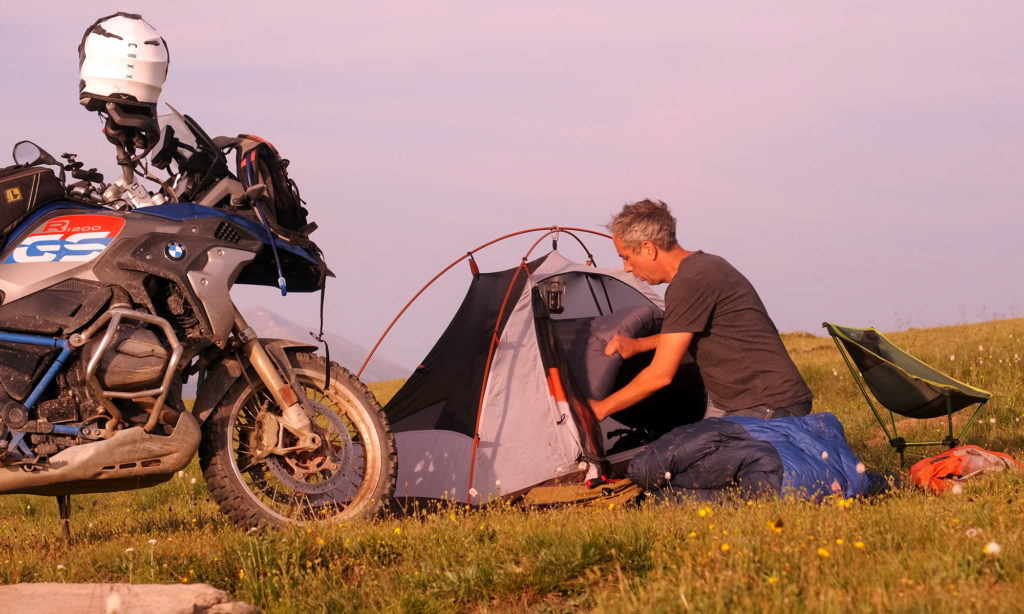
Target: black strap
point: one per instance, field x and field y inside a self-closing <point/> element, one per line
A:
<point x="320" y="336"/>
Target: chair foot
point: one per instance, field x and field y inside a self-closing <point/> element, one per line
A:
<point x="899" y="444"/>
<point x="950" y="442"/>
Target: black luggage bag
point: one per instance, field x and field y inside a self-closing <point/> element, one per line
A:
<point x="22" y="189"/>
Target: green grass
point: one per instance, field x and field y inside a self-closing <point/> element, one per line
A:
<point x="907" y="551"/>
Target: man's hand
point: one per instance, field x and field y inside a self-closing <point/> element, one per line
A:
<point x="622" y="345"/>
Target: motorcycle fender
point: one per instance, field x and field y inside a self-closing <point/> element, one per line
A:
<point x="222" y="375"/>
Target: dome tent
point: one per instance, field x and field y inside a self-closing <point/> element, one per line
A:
<point x="498" y="405"/>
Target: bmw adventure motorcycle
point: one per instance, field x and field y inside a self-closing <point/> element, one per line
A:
<point x="113" y="297"/>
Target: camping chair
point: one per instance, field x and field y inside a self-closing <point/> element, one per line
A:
<point x="903" y="384"/>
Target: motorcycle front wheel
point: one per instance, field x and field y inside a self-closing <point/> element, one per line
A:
<point x="350" y="474"/>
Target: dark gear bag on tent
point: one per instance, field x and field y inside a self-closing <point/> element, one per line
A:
<point x="22" y="189"/>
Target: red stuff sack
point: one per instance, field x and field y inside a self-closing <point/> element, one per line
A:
<point x="941" y="472"/>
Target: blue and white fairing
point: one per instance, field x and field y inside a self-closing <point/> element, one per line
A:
<point x="62" y="239"/>
<point x="58" y="266"/>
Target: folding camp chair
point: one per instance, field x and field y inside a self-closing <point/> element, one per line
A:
<point x="903" y="384"/>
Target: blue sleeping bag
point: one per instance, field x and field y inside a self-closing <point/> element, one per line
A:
<point x="804" y="456"/>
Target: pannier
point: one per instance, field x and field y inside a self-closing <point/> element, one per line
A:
<point x="22" y="189"/>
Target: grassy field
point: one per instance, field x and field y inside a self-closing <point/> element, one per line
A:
<point x="903" y="552"/>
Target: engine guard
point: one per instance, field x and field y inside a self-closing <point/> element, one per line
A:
<point x="130" y="459"/>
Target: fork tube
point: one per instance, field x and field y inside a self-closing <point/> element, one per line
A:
<point x="293" y="416"/>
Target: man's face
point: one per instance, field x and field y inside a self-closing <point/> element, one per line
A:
<point x="638" y="262"/>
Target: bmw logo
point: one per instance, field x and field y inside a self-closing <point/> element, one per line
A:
<point x="175" y="251"/>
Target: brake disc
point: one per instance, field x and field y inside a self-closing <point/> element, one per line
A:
<point x="330" y="461"/>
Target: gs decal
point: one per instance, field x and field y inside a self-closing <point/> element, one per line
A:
<point x="69" y="238"/>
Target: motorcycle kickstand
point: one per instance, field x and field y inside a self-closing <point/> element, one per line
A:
<point x="64" y="507"/>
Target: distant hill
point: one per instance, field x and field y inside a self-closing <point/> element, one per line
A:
<point x="343" y="351"/>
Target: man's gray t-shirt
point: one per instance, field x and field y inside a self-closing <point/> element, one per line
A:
<point x="735" y="343"/>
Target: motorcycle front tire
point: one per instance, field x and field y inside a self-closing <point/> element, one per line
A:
<point x="351" y="474"/>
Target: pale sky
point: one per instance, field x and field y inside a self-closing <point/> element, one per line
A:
<point x="861" y="162"/>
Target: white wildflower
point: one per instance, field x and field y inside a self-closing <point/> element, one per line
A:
<point x="972" y="532"/>
<point x="181" y="474"/>
<point x="957" y="489"/>
<point x="991" y="420"/>
<point x="151" y="542"/>
<point x="61" y="568"/>
<point x="824" y="455"/>
<point x="981" y="348"/>
<point x="861" y="468"/>
<point x="668" y="476"/>
<point x="952" y="357"/>
<point x="129" y="550"/>
<point x="472" y="492"/>
<point x="192" y="481"/>
<point x="993" y="549"/>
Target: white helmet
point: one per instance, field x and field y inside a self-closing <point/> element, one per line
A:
<point x="121" y="59"/>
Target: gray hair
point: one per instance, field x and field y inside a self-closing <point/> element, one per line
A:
<point x="646" y="220"/>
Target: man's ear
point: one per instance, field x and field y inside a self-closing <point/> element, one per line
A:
<point x="649" y="249"/>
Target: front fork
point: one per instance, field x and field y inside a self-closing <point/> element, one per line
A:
<point x="270" y="427"/>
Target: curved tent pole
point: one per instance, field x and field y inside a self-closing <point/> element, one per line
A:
<point x="554" y="230"/>
<point x="550" y="230"/>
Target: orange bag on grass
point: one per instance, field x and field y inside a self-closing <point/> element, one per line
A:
<point x="941" y="472"/>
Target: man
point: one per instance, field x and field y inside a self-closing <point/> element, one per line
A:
<point x="710" y="309"/>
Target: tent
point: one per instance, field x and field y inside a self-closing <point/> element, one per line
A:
<point x="498" y="405"/>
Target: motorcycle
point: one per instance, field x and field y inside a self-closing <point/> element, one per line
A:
<point x="113" y="297"/>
